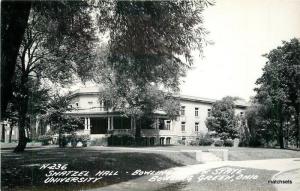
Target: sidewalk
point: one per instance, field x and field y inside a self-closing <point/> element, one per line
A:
<point x="283" y="167"/>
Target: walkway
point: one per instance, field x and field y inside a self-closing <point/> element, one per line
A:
<point x="285" y="168"/>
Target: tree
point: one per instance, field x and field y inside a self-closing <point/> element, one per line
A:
<point x="279" y="87"/>
<point x="56" y="115"/>
<point x="14" y="16"/>
<point x="222" y="119"/>
<point x="149" y="47"/>
<point x="44" y="58"/>
<point x="258" y="131"/>
<point x="62" y="17"/>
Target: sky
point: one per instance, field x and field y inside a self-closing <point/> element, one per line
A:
<point x="242" y="31"/>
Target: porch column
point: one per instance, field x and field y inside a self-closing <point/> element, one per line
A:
<point x="108" y="123"/>
<point x="88" y="123"/>
<point x="85" y="124"/>
<point x="112" y="123"/>
<point x="157" y="123"/>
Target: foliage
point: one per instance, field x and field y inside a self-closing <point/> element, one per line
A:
<point x="278" y="91"/>
<point x="258" y="130"/>
<point x="148" y="43"/>
<point x="58" y="43"/>
<point x="219" y="143"/>
<point x="59" y="121"/>
<point x="126" y="140"/>
<point x="73" y="138"/>
<point x="194" y="142"/>
<point x="99" y="142"/>
<point x="228" y="143"/>
<point x="148" y="38"/>
<point x="223" y="119"/>
<point x="181" y="142"/>
<point x="45" y="139"/>
<point x="206" y="141"/>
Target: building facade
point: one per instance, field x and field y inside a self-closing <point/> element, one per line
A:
<point x="101" y="122"/>
<point x="8" y="132"/>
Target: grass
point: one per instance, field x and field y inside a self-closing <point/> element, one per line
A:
<point x="240" y="154"/>
<point x="248" y="153"/>
<point x="21" y="171"/>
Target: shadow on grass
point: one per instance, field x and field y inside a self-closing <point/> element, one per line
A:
<point x="21" y="171"/>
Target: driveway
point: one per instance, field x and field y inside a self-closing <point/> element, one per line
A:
<point x="257" y="174"/>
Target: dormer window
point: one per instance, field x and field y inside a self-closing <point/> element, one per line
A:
<point x="209" y="112"/>
<point x="182" y="110"/>
<point x="196" y="111"/>
<point x="168" y="125"/>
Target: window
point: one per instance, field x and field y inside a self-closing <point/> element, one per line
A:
<point x="182" y="110"/>
<point x="182" y="126"/>
<point x="196" y="126"/>
<point x="196" y="111"/>
<point x="90" y="102"/>
<point x="244" y="123"/>
<point x="76" y="104"/>
<point x="208" y="112"/>
<point x="241" y="113"/>
<point x="168" y="125"/>
<point x="168" y="140"/>
<point x="162" y="141"/>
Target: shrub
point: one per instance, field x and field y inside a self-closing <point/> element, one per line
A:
<point x="194" y="143"/>
<point x="63" y="140"/>
<point x="228" y="143"/>
<point x="141" y="141"/>
<point x="224" y="136"/>
<point x="45" y="139"/>
<point x="124" y="140"/>
<point x="98" y="142"/>
<point x="74" y="139"/>
<point x="219" y="143"/>
<point x="83" y="138"/>
<point x="181" y="142"/>
<point x="206" y="142"/>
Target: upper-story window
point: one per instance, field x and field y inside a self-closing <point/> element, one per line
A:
<point x="197" y="126"/>
<point x="77" y="104"/>
<point x="241" y="114"/>
<point x="208" y="112"/>
<point x="168" y="125"/>
<point x="90" y="102"/>
<point x="182" y="126"/>
<point x="182" y="110"/>
<point x="196" y="111"/>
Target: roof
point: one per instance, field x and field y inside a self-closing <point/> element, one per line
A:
<point x="94" y="90"/>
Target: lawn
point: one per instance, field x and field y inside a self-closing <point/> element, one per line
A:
<point x="22" y="171"/>
<point x="240" y="154"/>
<point x="248" y="153"/>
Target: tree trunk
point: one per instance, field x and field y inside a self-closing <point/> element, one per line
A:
<point x="137" y="129"/>
<point x="280" y="136"/>
<point x="10" y="133"/>
<point x="3" y="133"/>
<point x="23" y="115"/>
<point x="297" y="121"/>
<point x="14" y="17"/>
